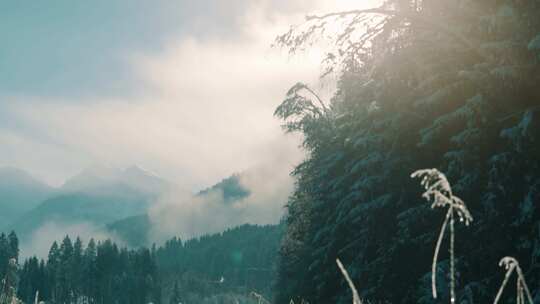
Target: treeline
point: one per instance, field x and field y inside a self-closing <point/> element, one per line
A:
<point x="73" y="273"/>
<point x="237" y="261"/>
<point x="9" y="248"/>
<point x="219" y="268"/>
<point x="452" y="85"/>
<point x="9" y="252"/>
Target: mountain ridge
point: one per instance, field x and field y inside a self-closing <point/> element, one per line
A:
<point x="96" y="196"/>
<point x="19" y="193"/>
<point x="135" y="230"/>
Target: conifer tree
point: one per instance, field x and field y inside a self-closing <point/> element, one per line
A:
<point x="53" y="267"/>
<point x="4" y="254"/>
<point x="9" y="284"/>
<point x="451" y="85"/>
<point x="13" y="242"/>
<point x="175" y="297"/>
<point x="89" y="272"/>
<point x="75" y="267"/>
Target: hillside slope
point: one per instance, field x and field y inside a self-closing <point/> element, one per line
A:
<point x="95" y="197"/>
<point x="135" y="230"/>
<point x="237" y="261"/>
<point x="19" y="193"/>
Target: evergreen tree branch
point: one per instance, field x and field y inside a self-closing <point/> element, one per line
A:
<point x="411" y="15"/>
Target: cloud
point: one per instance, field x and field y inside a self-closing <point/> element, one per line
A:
<point x="74" y="49"/>
<point x="200" y="105"/>
<point x="45" y="160"/>
<point x="41" y="240"/>
<point x="198" y="108"/>
<point x="207" y="111"/>
<point x="188" y="216"/>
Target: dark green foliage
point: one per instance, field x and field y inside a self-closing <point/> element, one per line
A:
<point x="9" y="278"/>
<point x="9" y="249"/>
<point x="237" y="261"/>
<point x="134" y="230"/>
<point x="230" y="187"/>
<point x="9" y="284"/>
<point x="451" y="85"/>
<point x="219" y="267"/>
<point x="175" y="296"/>
<point x="34" y="278"/>
<point x="99" y="273"/>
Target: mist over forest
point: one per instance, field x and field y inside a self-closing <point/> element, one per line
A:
<point x="269" y="152"/>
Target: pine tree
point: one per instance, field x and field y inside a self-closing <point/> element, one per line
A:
<point x="53" y="267"/>
<point x="4" y="254"/>
<point x="75" y="267"/>
<point x="452" y="85"/>
<point x="64" y="280"/>
<point x="175" y="297"/>
<point x="9" y="284"/>
<point x="13" y="242"/>
<point x="89" y="271"/>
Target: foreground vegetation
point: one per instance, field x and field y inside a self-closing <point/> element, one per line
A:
<point x="422" y="84"/>
<point x="435" y="84"/>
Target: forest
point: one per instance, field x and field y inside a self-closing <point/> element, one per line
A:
<point x="451" y="86"/>
<point x="222" y="266"/>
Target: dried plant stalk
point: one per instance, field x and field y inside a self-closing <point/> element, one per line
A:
<point x="356" y="297"/>
<point x="439" y="193"/>
<point x="522" y="290"/>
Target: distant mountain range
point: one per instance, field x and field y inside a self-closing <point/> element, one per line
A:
<point x="135" y="230"/>
<point x="19" y="193"/>
<point x="112" y="200"/>
<point x="104" y="179"/>
<point x="96" y="196"/>
<point x="230" y="189"/>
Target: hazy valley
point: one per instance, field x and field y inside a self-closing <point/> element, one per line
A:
<point x="294" y="152"/>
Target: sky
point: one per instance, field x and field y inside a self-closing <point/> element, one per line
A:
<point x="185" y="89"/>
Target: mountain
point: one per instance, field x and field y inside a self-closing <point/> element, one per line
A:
<point x="231" y="189"/>
<point x="135" y="230"/>
<point x="80" y="208"/>
<point x="19" y="193"/>
<point x="99" y="178"/>
<point x="96" y="196"/>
